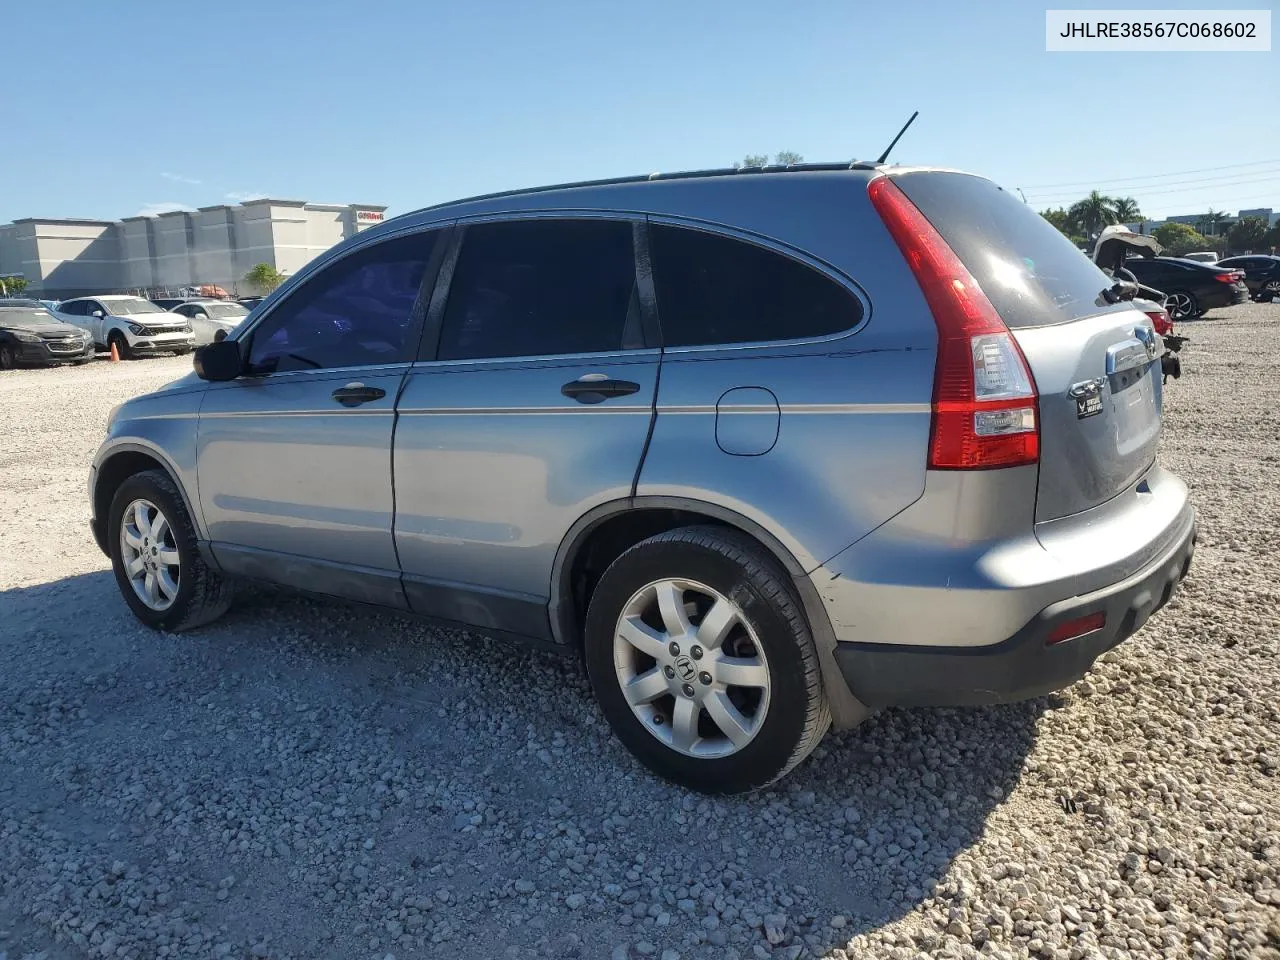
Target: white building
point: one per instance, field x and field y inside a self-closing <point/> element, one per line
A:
<point x="216" y="245"/>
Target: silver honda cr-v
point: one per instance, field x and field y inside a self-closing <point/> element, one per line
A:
<point x="769" y="449"/>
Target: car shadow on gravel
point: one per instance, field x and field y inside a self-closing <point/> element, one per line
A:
<point x="499" y="791"/>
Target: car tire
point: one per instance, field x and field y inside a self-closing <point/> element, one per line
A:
<point x="8" y="359"/>
<point x="1270" y="290"/>
<point x="198" y="594"/>
<point x="117" y="339"/>
<point x="1183" y="305"/>
<point x="688" y="693"/>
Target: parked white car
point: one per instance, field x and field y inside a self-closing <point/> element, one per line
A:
<point x="207" y="317"/>
<point x="135" y="326"/>
<point x="1203" y="256"/>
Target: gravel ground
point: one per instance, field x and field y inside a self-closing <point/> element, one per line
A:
<point x="310" y="780"/>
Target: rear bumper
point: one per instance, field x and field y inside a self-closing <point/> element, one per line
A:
<point x="1225" y="297"/>
<point x="1024" y="665"/>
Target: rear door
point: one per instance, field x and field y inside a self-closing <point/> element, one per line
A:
<point x="529" y="407"/>
<point x="1096" y="364"/>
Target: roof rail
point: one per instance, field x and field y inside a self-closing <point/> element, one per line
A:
<point x="643" y="178"/>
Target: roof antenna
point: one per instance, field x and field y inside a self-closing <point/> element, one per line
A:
<point x="884" y="156"/>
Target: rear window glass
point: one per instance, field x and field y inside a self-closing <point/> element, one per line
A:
<point x="714" y="289"/>
<point x="1033" y="275"/>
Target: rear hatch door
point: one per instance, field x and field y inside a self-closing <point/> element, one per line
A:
<point x="1096" y="364"/>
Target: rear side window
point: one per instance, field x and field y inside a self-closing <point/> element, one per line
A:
<point x="1032" y="274"/>
<point x="714" y="289"/>
<point x="527" y="288"/>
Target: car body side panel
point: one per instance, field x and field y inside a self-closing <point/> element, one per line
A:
<point x="162" y="425"/>
<point x="851" y="442"/>
<point x="493" y="465"/>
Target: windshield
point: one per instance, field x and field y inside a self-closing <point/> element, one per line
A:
<point x="226" y="311"/>
<point x="24" y="316"/>
<point x="130" y="305"/>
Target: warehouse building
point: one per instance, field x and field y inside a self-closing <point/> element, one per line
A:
<point x="154" y="255"/>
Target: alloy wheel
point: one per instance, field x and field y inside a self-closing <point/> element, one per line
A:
<point x="1180" y="305"/>
<point x="150" y="554"/>
<point x="691" y="668"/>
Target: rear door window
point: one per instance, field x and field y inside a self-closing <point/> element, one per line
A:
<point x="528" y="288"/>
<point x="714" y="289"/>
<point x="1033" y="275"/>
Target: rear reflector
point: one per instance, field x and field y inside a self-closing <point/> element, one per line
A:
<point x="1076" y="628"/>
<point x="985" y="406"/>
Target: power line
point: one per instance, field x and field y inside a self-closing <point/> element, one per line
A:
<point x="1157" y="196"/>
<point x="1154" y="176"/>
<point x="1251" y="176"/>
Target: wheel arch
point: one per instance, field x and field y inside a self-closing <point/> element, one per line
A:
<point x="123" y="461"/>
<point x="605" y="532"/>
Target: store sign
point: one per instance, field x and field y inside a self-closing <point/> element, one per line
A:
<point x="368" y="216"/>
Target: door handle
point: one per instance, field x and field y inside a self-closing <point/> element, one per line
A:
<point x="594" y="388"/>
<point x="354" y="394"/>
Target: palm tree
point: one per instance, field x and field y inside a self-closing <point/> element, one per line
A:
<point x="1127" y="210"/>
<point x="1208" y="224"/>
<point x="1093" y="213"/>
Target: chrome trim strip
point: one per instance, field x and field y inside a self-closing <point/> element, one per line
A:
<point x="822" y="408"/>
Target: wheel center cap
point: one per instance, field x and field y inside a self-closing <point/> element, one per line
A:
<point x="685" y="669"/>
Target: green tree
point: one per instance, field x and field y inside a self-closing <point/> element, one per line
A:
<point x="1127" y="210"/>
<point x="264" y="277"/>
<point x="782" y="158"/>
<point x="1247" y="233"/>
<point x="1060" y="219"/>
<point x="12" y="286"/>
<point x="1093" y="213"/>
<point x="1209" y="223"/>
<point x="1179" y="238"/>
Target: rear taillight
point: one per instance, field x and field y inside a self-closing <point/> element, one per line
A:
<point x="984" y="400"/>
<point x="1161" y="320"/>
<point x="1227" y="277"/>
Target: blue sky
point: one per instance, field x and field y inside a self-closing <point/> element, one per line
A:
<point x="126" y="107"/>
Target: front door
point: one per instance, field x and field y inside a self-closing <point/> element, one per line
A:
<point x="533" y="409"/>
<point x="294" y="458"/>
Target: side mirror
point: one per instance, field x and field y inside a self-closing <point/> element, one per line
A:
<point x="97" y="313"/>
<point x="219" y="335"/>
<point x="220" y="360"/>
